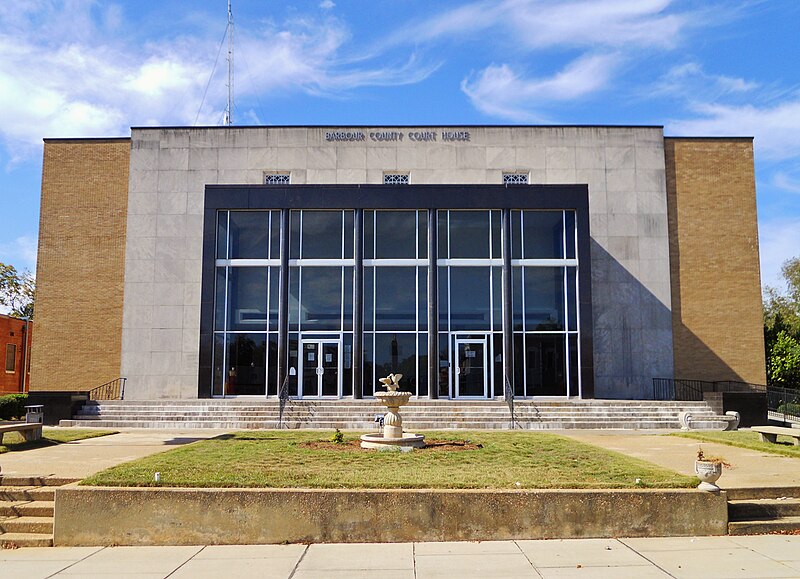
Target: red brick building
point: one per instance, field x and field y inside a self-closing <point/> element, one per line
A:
<point x="15" y="346"/>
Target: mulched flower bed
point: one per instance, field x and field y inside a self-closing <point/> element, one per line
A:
<point x="433" y="445"/>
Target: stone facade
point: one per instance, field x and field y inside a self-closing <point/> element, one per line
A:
<point x="79" y="290"/>
<point x="623" y="167"/>
<point x="716" y="318"/>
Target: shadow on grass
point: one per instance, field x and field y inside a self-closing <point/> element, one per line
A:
<point x="28" y="445"/>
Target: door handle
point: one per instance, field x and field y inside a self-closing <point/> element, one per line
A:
<point x="320" y="371"/>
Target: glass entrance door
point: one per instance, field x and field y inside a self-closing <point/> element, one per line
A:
<point x="471" y="371"/>
<point x="321" y="369"/>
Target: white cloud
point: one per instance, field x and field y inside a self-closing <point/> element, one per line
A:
<point x="21" y="253"/>
<point x="786" y="182"/>
<point x="779" y="240"/>
<point x="327" y="4"/>
<point x="689" y="80"/>
<point x="553" y="23"/>
<point x="498" y="91"/>
<point x="67" y="74"/>
<point x="776" y="128"/>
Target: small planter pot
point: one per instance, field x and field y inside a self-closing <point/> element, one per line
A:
<point x="708" y="473"/>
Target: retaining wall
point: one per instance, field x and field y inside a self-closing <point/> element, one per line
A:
<point x="172" y="516"/>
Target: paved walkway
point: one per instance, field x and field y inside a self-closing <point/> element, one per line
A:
<point x="701" y="557"/>
<point x="82" y="458"/>
<point x="750" y="468"/>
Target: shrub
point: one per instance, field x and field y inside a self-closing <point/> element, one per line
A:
<point x="12" y="406"/>
<point x="338" y="437"/>
<point x="793" y="409"/>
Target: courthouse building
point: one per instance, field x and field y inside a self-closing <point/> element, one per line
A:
<point x="551" y="261"/>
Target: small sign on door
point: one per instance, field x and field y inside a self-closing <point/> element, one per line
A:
<point x="470" y="353"/>
<point x="328" y="358"/>
<point x="311" y="356"/>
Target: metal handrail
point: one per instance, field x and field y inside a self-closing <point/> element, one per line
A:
<point x="112" y="390"/>
<point x="780" y="401"/>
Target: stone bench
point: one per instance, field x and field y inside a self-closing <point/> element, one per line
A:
<point x="770" y="433"/>
<point x="30" y="431"/>
<point x="704" y="421"/>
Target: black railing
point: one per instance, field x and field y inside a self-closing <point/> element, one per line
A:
<point x="782" y="403"/>
<point x="679" y="389"/>
<point x="113" y="390"/>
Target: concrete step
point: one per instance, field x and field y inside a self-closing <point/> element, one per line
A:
<point x="761" y="527"/>
<point x="27" y="493"/>
<point x="27" y="508"/>
<point x="14" y="540"/>
<point x="26" y="524"/>
<point x="214" y="411"/>
<point x="762" y="509"/>
<point x="754" y="493"/>
<point x="421" y="414"/>
<point x="290" y="424"/>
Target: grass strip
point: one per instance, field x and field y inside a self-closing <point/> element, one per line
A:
<point x="283" y="459"/>
<point x="14" y="441"/>
<point x="744" y="439"/>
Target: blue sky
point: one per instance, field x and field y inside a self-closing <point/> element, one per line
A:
<point x="94" y="68"/>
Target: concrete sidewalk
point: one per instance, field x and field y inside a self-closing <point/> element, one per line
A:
<point x="749" y="468"/>
<point x="82" y="458"/>
<point x="702" y="557"/>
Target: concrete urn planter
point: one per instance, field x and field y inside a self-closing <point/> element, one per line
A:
<point x="708" y="473"/>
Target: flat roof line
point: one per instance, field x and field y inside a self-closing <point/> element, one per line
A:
<point x="85" y="139"/>
<point x="717" y="138"/>
<point x="345" y="126"/>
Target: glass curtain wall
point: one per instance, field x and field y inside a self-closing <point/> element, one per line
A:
<point x="395" y="298"/>
<point x="246" y="303"/>
<point x="545" y="308"/>
<point x="544" y="282"/>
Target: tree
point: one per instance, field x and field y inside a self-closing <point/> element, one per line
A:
<point x="782" y="328"/>
<point x="17" y="291"/>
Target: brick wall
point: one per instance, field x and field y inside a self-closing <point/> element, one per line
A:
<point x="713" y="241"/>
<point x="12" y="332"/>
<point x="81" y="264"/>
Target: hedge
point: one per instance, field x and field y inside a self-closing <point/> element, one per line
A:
<point x="13" y="406"/>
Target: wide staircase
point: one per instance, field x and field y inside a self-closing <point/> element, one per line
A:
<point x="418" y="415"/>
<point x="763" y="510"/>
<point x="26" y="511"/>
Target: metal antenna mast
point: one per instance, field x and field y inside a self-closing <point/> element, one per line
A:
<point x="229" y="109"/>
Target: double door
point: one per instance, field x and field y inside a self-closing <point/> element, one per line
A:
<point x="471" y="372"/>
<point x="320" y="368"/>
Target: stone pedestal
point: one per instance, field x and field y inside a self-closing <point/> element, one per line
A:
<point x="393" y="435"/>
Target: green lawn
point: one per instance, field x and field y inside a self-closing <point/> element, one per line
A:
<point x="13" y="441"/>
<point x="745" y="439"/>
<point x="278" y="459"/>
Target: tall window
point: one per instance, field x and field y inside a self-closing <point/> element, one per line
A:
<point x="395" y="298"/>
<point x="545" y="307"/>
<point x="321" y="302"/>
<point x="470" y="303"/>
<point x="246" y="304"/>
<point x="11" y="358"/>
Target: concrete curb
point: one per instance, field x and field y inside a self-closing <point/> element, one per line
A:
<point x="89" y="516"/>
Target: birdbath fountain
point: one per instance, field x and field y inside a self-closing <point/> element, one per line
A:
<point x="392" y="435"/>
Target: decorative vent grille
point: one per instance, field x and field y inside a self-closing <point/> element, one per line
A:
<point x="395" y="179"/>
<point x="276" y="178"/>
<point x="515" y="178"/>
